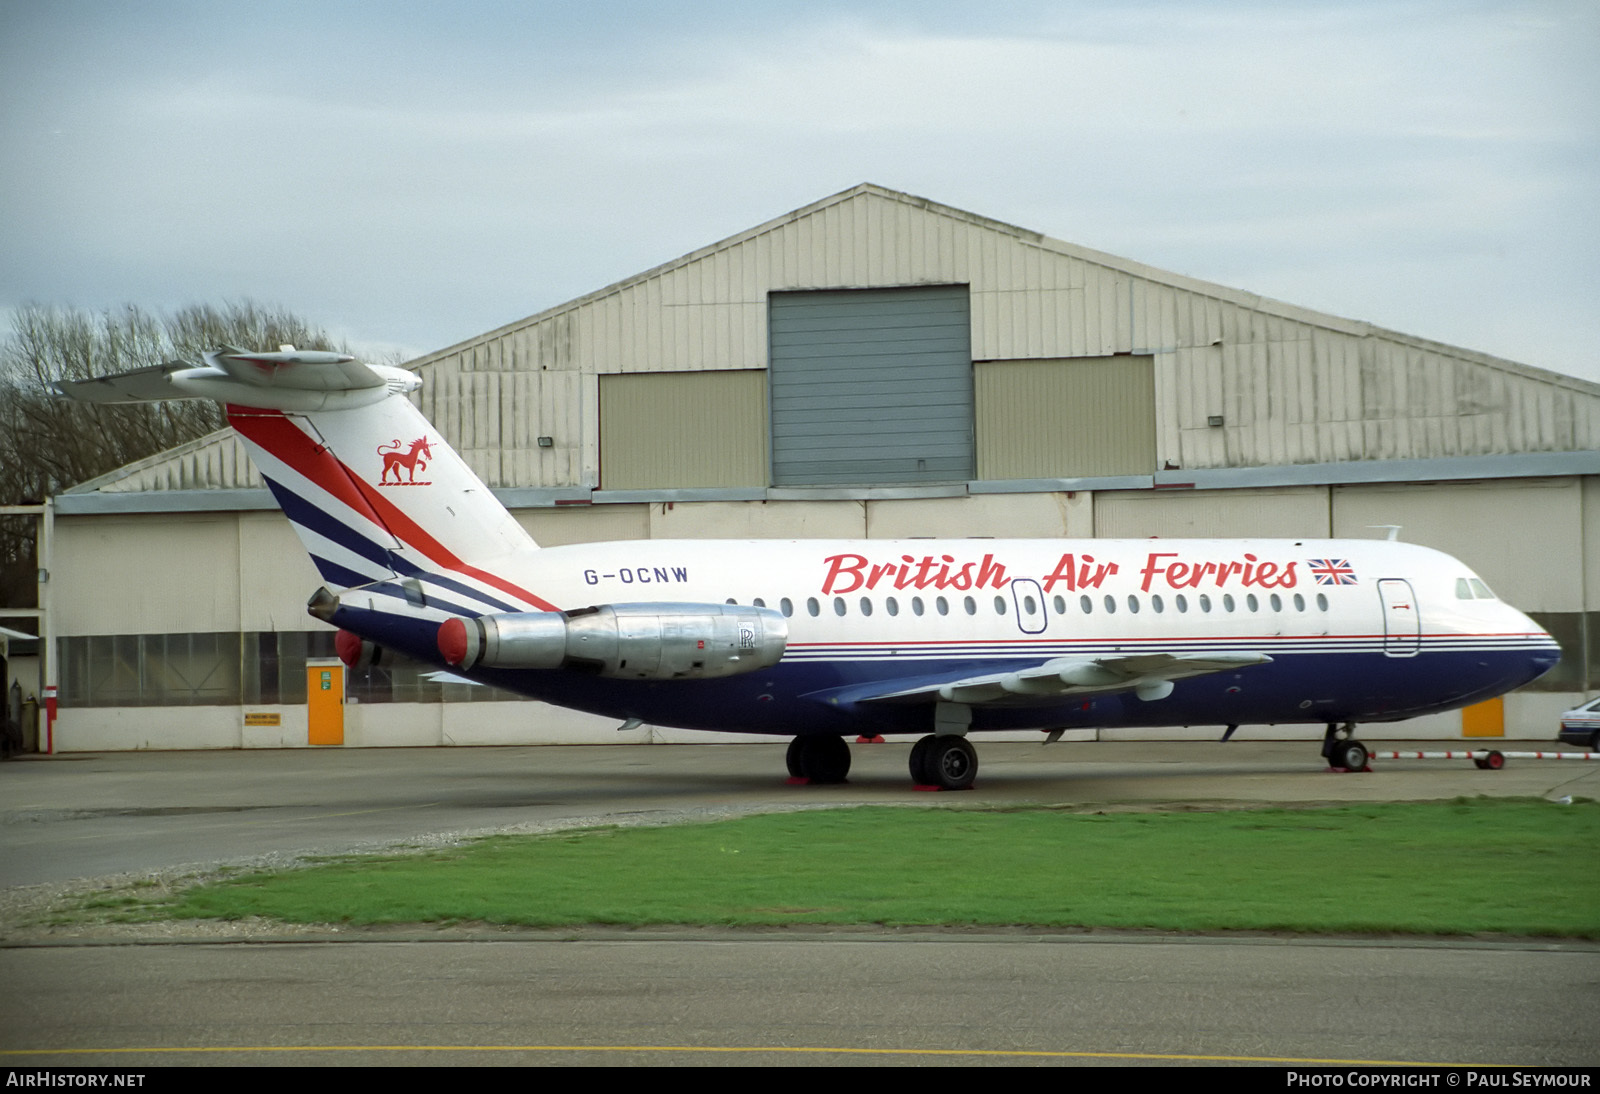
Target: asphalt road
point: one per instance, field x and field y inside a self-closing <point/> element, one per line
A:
<point x="704" y="997"/>
<point x="87" y="815"/>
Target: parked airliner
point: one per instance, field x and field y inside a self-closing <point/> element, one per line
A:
<point x="824" y="639"/>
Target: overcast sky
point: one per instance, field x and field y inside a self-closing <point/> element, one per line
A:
<point x="410" y="175"/>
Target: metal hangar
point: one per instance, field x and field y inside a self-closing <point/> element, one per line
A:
<point x="872" y="365"/>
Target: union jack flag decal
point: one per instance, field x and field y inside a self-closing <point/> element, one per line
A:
<point x="1332" y="571"/>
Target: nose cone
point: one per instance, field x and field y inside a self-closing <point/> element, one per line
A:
<point x="1543" y="652"/>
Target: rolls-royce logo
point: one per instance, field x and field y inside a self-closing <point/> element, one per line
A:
<point x="414" y="460"/>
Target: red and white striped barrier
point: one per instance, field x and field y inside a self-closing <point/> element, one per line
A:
<point x="1487" y="758"/>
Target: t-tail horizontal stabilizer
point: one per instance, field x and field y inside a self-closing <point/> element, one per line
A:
<point x="288" y="379"/>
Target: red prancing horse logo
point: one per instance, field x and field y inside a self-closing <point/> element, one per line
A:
<point x="413" y="461"/>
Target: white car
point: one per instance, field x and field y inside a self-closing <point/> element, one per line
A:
<point x="1581" y="725"/>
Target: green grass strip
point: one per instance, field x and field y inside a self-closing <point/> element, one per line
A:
<point x="1480" y="866"/>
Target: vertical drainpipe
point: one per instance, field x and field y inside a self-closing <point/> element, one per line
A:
<point x="47" y="638"/>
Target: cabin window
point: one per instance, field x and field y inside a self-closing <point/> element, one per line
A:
<point x="1111" y="604"/>
<point x="1156" y="605"/>
<point x="1322" y="601"/>
<point x="1029" y="606"/>
<point x="1133" y="604"/>
<point x="1463" y="590"/>
<point x="812" y="606"/>
<point x="943" y="605"/>
<point x="1252" y="603"/>
<point x="892" y="606"/>
<point x="1086" y="604"/>
<point x="1227" y="602"/>
<point x="1182" y="602"/>
<point x="999" y="605"/>
<point x="866" y="605"/>
<point x="1277" y="602"/>
<point x="759" y="603"/>
<point x="730" y="600"/>
<point x="971" y="605"/>
<point x="1299" y="603"/>
<point x="838" y="605"/>
<point x="1205" y="603"/>
<point x="1061" y="605"/>
<point x="916" y="605"/>
<point x="786" y="606"/>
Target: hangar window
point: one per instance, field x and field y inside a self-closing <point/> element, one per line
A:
<point x="1065" y="417"/>
<point x="871" y="386"/>
<point x="663" y="430"/>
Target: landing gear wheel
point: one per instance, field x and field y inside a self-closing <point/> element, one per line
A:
<point x="1493" y="761"/>
<point x="1350" y="755"/>
<point x="819" y="759"/>
<point x="920" y="775"/>
<point x="951" y="762"/>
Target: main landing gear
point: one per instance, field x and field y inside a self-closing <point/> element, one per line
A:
<point x="944" y="761"/>
<point x="1344" y="752"/>
<point x="821" y="759"/>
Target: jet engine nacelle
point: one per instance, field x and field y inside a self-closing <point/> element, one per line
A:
<point x="630" y="641"/>
<point x="356" y="652"/>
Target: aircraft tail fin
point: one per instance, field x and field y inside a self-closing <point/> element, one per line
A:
<point x="372" y="489"/>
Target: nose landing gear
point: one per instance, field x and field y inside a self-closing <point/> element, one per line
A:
<point x="1344" y="753"/>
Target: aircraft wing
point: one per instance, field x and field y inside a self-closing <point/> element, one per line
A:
<point x="1148" y="675"/>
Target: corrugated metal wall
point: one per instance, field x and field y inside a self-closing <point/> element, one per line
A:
<point x="1293" y="385"/>
<point x="871" y="386"/>
<point x="671" y="429"/>
<point x="1065" y="418"/>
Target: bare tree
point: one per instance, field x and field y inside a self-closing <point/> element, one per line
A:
<point x="48" y="444"/>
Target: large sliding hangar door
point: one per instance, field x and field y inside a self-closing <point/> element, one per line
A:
<point x="871" y="386"/>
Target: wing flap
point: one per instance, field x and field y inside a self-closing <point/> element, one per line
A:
<point x="1148" y="675"/>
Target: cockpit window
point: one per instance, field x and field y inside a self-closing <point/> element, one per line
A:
<point x="1482" y="590"/>
<point x="1463" y="590"/>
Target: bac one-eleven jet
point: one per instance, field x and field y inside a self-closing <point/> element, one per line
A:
<point x="824" y="639"/>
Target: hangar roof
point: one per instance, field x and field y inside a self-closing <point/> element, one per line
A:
<point x="1305" y="396"/>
